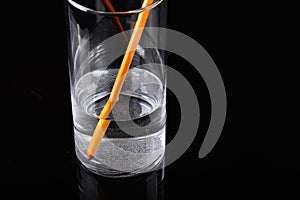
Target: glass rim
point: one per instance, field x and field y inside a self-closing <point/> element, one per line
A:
<point x="99" y="12"/>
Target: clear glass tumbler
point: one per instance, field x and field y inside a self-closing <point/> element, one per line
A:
<point x="99" y="33"/>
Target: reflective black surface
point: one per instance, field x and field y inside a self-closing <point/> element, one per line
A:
<point x="146" y="186"/>
<point x="37" y="148"/>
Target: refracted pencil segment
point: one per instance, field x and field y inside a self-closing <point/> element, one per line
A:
<point x="103" y="123"/>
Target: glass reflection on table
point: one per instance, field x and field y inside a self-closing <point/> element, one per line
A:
<point x="148" y="186"/>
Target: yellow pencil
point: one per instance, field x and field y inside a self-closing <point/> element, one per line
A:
<point x="114" y="95"/>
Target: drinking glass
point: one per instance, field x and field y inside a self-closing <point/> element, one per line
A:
<point x="99" y="32"/>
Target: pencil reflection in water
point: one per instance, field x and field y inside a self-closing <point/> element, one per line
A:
<point x="148" y="186"/>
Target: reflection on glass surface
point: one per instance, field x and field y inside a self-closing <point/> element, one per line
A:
<point x="148" y="186"/>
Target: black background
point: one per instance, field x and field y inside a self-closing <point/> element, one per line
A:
<point x="37" y="150"/>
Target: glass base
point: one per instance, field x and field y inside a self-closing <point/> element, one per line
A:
<point x="105" y="171"/>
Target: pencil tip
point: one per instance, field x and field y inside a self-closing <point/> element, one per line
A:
<point x="89" y="156"/>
